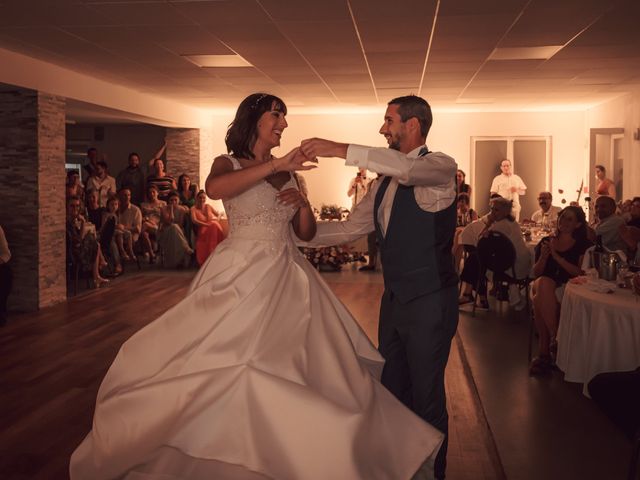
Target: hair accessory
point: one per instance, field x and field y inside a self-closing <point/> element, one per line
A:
<point x="258" y="100"/>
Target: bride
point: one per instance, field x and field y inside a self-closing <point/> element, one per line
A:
<point x="260" y="372"/>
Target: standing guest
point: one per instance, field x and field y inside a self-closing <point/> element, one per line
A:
<point x="604" y="185"/>
<point x="187" y="191"/>
<point x="419" y="312"/>
<point x="74" y="186"/>
<point x="6" y="277"/>
<point x="91" y="162"/>
<point x="101" y="181"/>
<point x="358" y="187"/>
<point x="205" y="220"/>
<point x="82" y="244"/>
<point x="132" y="178"/>
<point x="463" y="187"/>
<point x="609" y="223"/>
<point x="163" y="182"/>
<point x="171" y="237"/>
<point x="130" y="216"/>
<point x="151" y="210"/>
<point x="557" y="260"/>
<point x="510" y="186"/>
<point x="548" y="214"/>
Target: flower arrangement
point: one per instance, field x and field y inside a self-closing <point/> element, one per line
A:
<point x="331" y="212"/>
<point x="328" y="259"/>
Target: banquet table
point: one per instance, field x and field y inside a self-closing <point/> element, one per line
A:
<point x="599" y="332"/>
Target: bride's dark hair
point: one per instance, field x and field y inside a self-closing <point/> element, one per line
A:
<point x="241" y="134"/>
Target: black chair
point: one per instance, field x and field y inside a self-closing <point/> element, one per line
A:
<point x="497" y="254"/>
<point x="618" y="395"/>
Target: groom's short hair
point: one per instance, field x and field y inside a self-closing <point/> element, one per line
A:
<point x="413" y="106"/>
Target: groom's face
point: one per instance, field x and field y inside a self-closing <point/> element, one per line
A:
<point x="393" y="128"/>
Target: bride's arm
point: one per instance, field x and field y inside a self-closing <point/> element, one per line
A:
<point x="225" y="182"/>
<point x="303" y="222"/>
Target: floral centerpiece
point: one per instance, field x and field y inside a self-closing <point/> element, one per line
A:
<point x="328" y="259"/>
<point x="332" y="212"/>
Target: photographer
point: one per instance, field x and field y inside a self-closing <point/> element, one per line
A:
<point x="358" y="187"/>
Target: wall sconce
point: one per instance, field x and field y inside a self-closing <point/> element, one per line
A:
<point x="636" y="134"/>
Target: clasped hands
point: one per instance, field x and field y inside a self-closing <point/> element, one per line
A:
<point x="299" y="158"/>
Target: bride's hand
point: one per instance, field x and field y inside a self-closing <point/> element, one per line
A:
<point x="294" y="160"/>
<point x="292" y="196"/>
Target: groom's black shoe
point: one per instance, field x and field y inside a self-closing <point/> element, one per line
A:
<point x="367" y="268"/>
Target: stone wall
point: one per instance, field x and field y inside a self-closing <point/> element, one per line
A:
<point x="32" y="191"/>
<point x="183" y="153"/>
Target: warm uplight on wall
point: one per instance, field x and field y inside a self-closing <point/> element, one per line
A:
<point x="211" y="61"/>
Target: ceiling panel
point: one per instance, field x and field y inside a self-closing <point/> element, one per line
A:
<point x="309" y="50"/>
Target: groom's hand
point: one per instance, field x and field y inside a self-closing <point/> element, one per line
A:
<point x="319" y="147"/>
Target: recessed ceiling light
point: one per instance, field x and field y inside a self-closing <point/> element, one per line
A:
<point x="525" y="53"/>
<point x="217" y="60"/>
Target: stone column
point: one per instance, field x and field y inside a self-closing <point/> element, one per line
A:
<point x="32" y="157"/>
<point x="183" y="153"/>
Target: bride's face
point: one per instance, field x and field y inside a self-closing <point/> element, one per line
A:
<point x="270" y="127"/>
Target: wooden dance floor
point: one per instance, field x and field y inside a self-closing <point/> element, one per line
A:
<point x="52" y="363"/>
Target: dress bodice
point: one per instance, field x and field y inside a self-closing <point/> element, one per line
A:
<point x="257" y="214"/>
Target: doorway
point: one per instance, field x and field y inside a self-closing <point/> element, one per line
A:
<point x="530" y="158"/>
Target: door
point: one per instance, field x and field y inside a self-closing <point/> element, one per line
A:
<point x="529" y="160"/>
<point x="485" y="165"/>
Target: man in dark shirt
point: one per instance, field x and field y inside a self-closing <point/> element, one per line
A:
<point x="132" y="178"/>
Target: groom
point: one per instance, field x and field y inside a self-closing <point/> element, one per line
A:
<point x="412" y="209"/>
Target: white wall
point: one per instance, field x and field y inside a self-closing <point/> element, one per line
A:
<point x="451" y="133"/>
<point x="623" y="112"/>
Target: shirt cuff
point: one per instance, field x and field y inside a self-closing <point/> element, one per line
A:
<point x="357" y="156"/>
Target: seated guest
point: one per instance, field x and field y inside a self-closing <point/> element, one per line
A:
<point x="102" y="182"/>
<point x="209" y="232"/>
<point x="164" y="183"/>
<point x="104" y="230"/>
<point x="132" y="178"/>
<point x="466" y="215"/>
<point x="548" y="214"/>
<point x="151" y="210"/>
<point x="609" y="223"/>
<point x="130" y="216"/>
<point x="74" y="186"/>
<point x="463" y="187"/>
<point x="6" y="277"/>
<point x="187" y="191"/>
<point x="633" y="216"/>
<point x="500" y="220"/>
<point x="82" y="244"/>
<point x="557" y="260"/>
<point x="171" y="238"/>
<point x="121" y="236"/>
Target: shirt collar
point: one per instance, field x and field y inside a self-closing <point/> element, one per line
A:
<point x="417" y="152"/>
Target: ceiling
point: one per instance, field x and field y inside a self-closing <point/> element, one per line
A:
<point x="341" y="53"/>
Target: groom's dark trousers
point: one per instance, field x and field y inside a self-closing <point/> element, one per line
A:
<point x="419" y="309"/>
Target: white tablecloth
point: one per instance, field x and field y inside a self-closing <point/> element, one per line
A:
<point x="599" y="332"/>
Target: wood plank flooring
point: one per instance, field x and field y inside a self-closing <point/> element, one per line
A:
<point x="52" y="363"/>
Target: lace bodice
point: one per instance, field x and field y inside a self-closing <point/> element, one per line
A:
<point x="257" y="214"/>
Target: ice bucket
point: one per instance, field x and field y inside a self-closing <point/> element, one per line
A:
<point x="606" y="263"/>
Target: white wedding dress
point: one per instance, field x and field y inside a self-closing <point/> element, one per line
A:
<point x="259" y="373"/>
